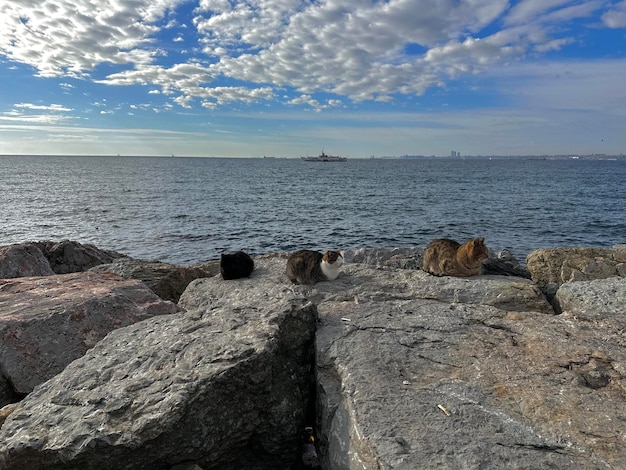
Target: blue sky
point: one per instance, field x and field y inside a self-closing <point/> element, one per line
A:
<point x="290" y="78"/>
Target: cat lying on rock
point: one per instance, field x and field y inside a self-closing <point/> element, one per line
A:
<point x="309" y="267"/>
<point x="444" y="257"/>
<point x="236" y="265"/>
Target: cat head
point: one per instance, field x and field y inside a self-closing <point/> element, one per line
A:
<point x="333" y="258"/>
<point x="226" y="259"/>
<point x="478" y="250"/>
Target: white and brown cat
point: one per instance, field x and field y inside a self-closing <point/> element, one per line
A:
<point x="309" y="267"/>
<point x="444" y="257"/>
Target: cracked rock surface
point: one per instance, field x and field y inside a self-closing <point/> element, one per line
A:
<point x="224" y="384"/>
<point x="412" y="372"/>
<point x="463" y="381"/>
<point x="423" y="384"/>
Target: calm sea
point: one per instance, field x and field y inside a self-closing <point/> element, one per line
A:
<point x="188" y="210"/>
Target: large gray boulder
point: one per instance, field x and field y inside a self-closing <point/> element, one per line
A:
<point x="46" y="258"/>
<point x="560" y="265"/>
<point x="22" y="260"/>
<point x="598" y="300"/>
<point x="166" y="280"/>
<point x="69" y="256"/>
<point x="406" y="384"/>
<point x="223" y="385"/>
<point x="47" y="322"/>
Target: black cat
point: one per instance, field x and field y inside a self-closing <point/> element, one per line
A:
<point x="236" y="265"/>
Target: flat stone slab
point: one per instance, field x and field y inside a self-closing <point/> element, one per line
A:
<point x="408" y="384"/>
<point x="366" y="282"/>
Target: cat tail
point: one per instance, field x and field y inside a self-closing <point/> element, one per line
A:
<point x="502" y="268"/>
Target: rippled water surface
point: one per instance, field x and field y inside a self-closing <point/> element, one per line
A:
<point x="187" y="210"/>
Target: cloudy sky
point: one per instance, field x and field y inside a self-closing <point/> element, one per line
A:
<point x="290" y="78"/>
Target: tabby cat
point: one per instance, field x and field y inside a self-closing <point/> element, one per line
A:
<point x="445" y="257"/>
<point x="309" y="267"/>
<point x="236" y="265"/>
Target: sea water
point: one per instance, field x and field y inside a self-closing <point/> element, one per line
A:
<point x="189" y="210"/>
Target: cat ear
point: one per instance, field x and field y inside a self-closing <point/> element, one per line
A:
<point x="481" y="241"/>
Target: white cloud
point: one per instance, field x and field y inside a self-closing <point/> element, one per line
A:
<point x="224" y="95"/>
<point x="305" y="99"/>
<point x="313" y="103"/>
<point x="531" y="10"/>
<point x="183" y="101"/>
<point x="616" y="17"/>
<point x="180" y="77"/>
<point x="37" y="113"/>
<point x="583" y="10"/>
<point x="246" y="51"/>
<point x="39" y="107"/>
<point x="553" y="45"/>
<point x="358" y="52"/>
<point x="15" y="116"/>
<point x="255" y="23"/>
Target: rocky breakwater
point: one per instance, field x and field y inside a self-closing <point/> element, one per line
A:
<point x="552" y="267"/>
<point x="166" y="280"/>
<point x="48" y="319"/>
<point x="421" y="372"/>
<point x="410" y="371"/>
<point x="47" y="258"/>
<point x="225" y="384"/>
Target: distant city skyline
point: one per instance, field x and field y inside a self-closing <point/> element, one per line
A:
<point x="288" y="79"/>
